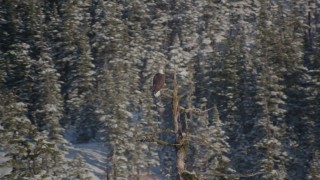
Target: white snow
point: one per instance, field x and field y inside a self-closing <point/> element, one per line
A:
<point x="95" y="156"/>
<point x="183" y="72"/>
<point x="4" y="170"/>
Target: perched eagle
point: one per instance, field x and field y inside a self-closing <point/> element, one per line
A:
<point x="158" y="82"/>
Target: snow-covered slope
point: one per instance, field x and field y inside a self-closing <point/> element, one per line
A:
<point x="5" y="169"/>
<point x="94" y="154"/>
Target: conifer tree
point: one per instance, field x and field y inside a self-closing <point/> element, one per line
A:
<point x="211" y="28"/>
<point x="87" y="67"/>
<point x="314" y="104"/>
<point x="270" y="97"/>
<point x="228" y="90"/>
<point x="220" y="145"/>
<point x="28" y="150"/>
<point x="18" y="69"/>
<point x="116" y="131"/>
<point x="75" y="64"/>
<point x="78" y="169"/>
<point x="137" y="19"/>
<point x="119" y="132"/>
<point x="298" y="88"/>
<point x="16" y="129"/>
<point x="212" y="154"/>
<point x="114" y="87"/>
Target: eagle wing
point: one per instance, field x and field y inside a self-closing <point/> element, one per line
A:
<point x="158" y="82"/>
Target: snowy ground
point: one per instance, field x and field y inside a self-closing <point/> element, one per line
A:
<point x="5" y="169"/>
<point x="94" y="154"/>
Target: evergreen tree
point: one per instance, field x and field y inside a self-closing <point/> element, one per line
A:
<point x="116" y="131"/>
<point x="18" y="69"/>
<point x="313" y="103"/>
<point x="87" y="67"/>
<point x="298" y="89"/>
<point x="30" y="154"/>
<point x="211" y="154"/>
<point x="144" y="158"/>
<point x="270" y="97"/>
<point x="119" y="131"/>
<point x="14" y="136"/>
<point x="78" y="169"/>
<point x="74" y="63"/>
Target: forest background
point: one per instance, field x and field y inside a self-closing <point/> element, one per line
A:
<point x="81" y="71"/>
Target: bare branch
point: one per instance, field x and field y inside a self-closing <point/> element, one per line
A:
<point x="167" y="89"/>
<point x="159" y="131"/>
<point x="202" y="139"/>
<point x="152" y="139"/>
<point x="232" y="175"/>
<point x="194" y="109"/>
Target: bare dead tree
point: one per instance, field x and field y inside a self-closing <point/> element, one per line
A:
<point x="183" y="137"/>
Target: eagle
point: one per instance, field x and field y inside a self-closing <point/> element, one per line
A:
<point x="158" y="82"/>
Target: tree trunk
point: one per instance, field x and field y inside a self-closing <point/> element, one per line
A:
<point x="181" y="138"/>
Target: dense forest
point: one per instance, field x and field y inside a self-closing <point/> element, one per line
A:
<point x="77" y="71"/>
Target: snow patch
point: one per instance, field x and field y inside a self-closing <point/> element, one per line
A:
<point x="95" y="156"/>
<point x="6" y="169"/>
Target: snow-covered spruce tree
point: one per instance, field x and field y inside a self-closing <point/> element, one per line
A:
<point x="219" y="144"/>
<point x="62" y="33"/>
<point x="299" y="119"/>
<point x="8" y="26"/>
<point x="115" y="116"/>
<point x="211" y="147"/>
<point x="27" y="149"/>
<point x="12" y="138"/>
<point x="18" y="69"/>
<point x="83" y="89"/>
<point x="209" y="36"/>
<point x="104" y="34"/>
<point x="47" y="112"/>
<point x="137" y="19"/>
<point x="77" y="169"/>
<point x="16" y="128"/>
<point x="39" y="88"/>
<point x="314" y="172"/>
<point x="145" y="156"/>
<point x="234" y="56"/>
<point x="310" y="16"/>
<point x="231" y="79"/>
<point x="114" y="88"/>
<point x="183" y="39"/>
<point x="227" y="90"/>
<point x="76" y="68"/>
<point x="298" y="89"/>
<point x="270" y="123"/>
<point x="156" y="41"/>
<point x="109" y="34"/>
<point x="242" y="148"/>
<point x="157" y="33"/>
<point x="315" y="104"/>
<point x="212" y="25"/>
<point x="240" y="86"/>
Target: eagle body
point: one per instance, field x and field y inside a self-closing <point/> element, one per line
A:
<point x="158" y="82"/>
